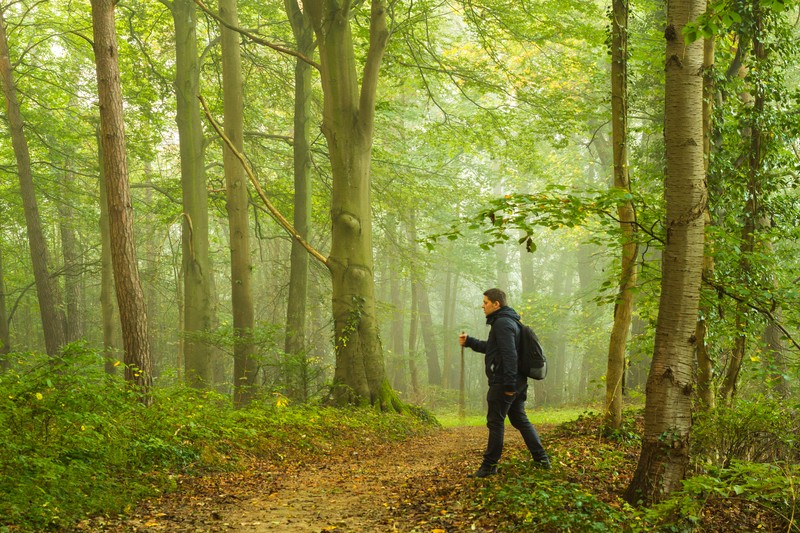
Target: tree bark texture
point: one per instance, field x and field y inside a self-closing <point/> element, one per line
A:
<point x="347" y="123"/>
<point x="668" y="418"/>
<point x="50" y="308"/>
<point x="617" y="346"/>
<point x="107" y="308"/>
<point x="130" y="298"/>
<point x="198" y="313"/>
<point x="245" y="368"/>
<point x="298" y="276"/>
<point x="705" y="364"/>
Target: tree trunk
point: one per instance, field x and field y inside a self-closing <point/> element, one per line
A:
<point x="617" y="346"/>
<point x="5" y="337"/>
<point x="527" y="271"/>
<point x="106" y="272"/>
<point x="244" y="364"/>
<point x="130" y="298"/>
<point x="413" y="325"/>
<point x="348" y="121"/>
<point x="423" y="310"/>
<point x="752" y="216"/>
<point x="298" y="277"/>
<point x="73" y="324"/>
<point x="705" y="365"/>
<point x="397" y="361"/>
<point x="775" y="356"/>
<point x="198" y="313"/>
<point x="49" y="304"/>
<point x="668" y="408"/>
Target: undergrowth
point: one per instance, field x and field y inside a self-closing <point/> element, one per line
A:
<point x="75" y="441"/>
<point x="584" y="490"/>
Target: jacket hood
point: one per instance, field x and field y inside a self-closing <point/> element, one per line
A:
<point x="503" y="311"/>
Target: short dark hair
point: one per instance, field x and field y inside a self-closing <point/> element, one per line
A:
<point x="496" y="295"/>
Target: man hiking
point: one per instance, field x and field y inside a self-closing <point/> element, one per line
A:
<point x="508" y="389"/>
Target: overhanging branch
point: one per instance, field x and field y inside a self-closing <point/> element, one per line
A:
<point x="272" y="209"/>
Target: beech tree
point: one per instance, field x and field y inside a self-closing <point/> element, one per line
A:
<point x="244" y="365"/>
<point x="197" y="272"/>
<point x="295" y="339"/>
<point x="347" y="123"/>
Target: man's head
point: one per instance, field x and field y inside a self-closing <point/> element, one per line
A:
<point x="493" y="299"/>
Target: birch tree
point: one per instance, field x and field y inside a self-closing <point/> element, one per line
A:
<point x="668" y="409"/>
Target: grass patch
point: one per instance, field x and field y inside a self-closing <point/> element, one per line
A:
<point x="537" y="417"/>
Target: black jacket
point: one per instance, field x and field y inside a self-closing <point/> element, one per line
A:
<point x="500" y="348"/>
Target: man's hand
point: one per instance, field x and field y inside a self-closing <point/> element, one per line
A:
<point x="462" y="339"/>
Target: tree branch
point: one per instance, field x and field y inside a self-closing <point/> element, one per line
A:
<point x="255" y="38"/>
<point x="272" y="209"/>
<point x="378" y="37"/>
<point x="766" y="312"/>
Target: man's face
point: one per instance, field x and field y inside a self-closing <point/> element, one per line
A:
<point x="489" y="306"/>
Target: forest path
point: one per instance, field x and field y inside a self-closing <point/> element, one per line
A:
<point x="411" y="486"/>
<point x="362" y="492"/>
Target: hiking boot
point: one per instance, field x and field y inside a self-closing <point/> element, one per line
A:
<point x="484" y="471"/>
<point x="544" y="464"/>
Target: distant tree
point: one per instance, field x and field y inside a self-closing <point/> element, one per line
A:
<point x="130" y="298"/>
<point x="50" y="307"/>
<point x="5" y="337"/>
<point x="70" y="248"/>
<point x="668" y="409"/>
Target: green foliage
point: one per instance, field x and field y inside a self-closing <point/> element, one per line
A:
<point x="75" y="441"/>
<point x="769" y="489"/>
<point x="757" y="430"/>
<point x="555" y="208"/>
<point x="536" y="498"/>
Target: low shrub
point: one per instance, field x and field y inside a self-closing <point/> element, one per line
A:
<point x="535" y="500"/>
<point x="756" y="429"/>
<point x="742" y="497"/>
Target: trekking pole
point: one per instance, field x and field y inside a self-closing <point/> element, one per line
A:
<point x="461" y="406"/>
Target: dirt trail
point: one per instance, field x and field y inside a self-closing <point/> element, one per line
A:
<point x="359" y="493"/>
<point x="410" y="486"/>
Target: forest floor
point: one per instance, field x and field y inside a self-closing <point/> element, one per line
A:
<point x="417" y="485"/>
<point x="400" y="486"/>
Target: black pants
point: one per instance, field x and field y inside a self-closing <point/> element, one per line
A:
<point x="500" y="406"/>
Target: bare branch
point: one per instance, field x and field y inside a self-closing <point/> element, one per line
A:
<point x="272" y="209"/>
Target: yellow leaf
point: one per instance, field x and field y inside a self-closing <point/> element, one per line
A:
<point x="39" y="396"/>
<point x="116" y="363"/>
<point x="281" y="400"/>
